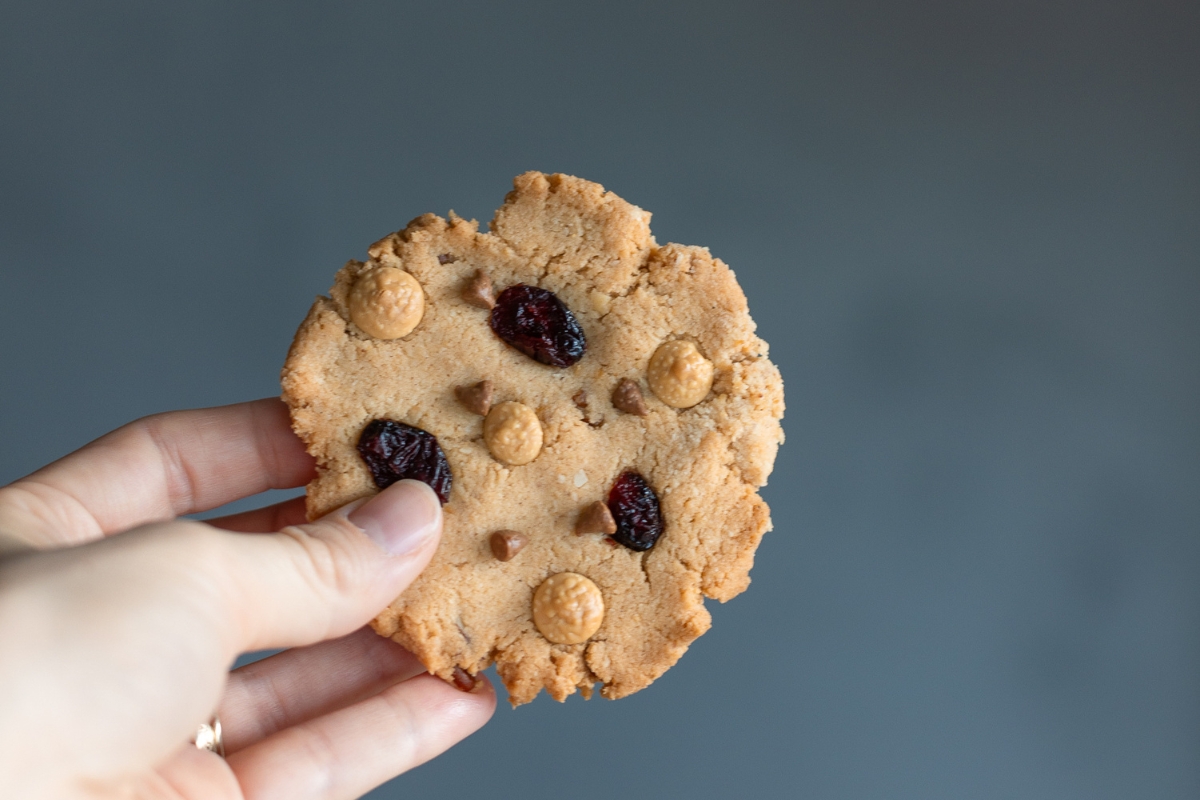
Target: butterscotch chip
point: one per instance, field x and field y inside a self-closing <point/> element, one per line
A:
<point x="476" y="398"/>
<point x="595" y="253"/>
<point x="506" y="544"/>
<point x="596" y="518"/>
<point x="386" y="303"/>
<point x="679" y="375"/>
<point x="478" y="291"/>
<point x="513" y="433"/>
<point x="568" y="608"/>
<point x="627" y="397"/>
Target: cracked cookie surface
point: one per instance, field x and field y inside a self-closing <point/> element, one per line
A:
<point x="594" y="251"/>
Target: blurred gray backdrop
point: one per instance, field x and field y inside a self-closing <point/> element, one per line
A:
<point x="971" y="233"/>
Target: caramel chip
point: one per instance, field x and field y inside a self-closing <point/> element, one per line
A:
<point x="513" y="433"/>
<point x="628" y="398"/>
<point x="478" y="291"/>
<point x="568" y="608"/>
<point x="476" y="399"/>
<point x="506" y="544"/>
<point x="679" y="374"/>
<point x="596" y="518"/>
<point x="386" y="303"/>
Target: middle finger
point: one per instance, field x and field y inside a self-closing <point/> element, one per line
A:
<point x="267" y="519"/>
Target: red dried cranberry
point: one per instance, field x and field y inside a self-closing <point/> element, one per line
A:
<point x="395" y="452"/>
<point x="537" y="323"/>
<point x="634" y="506"/>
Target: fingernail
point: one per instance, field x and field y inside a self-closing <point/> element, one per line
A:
<point x="401" y="518"/>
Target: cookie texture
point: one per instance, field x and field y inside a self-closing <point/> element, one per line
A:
<point x="704" y="463"/>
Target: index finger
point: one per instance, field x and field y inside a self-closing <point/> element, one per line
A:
<point x="157" y="468"/>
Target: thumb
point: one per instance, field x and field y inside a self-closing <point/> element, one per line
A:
<point x="182" y="599"/>
<point x="328" y="577"/>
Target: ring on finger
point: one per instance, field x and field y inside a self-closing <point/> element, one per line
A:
<point x="208" y="737"/>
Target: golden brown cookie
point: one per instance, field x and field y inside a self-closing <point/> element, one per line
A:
<point x="644" y="389"/>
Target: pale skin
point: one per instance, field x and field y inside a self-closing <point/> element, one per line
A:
<point x="119" y="621"/>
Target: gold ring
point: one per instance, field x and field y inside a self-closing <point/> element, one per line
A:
<point x="208" y="737"/>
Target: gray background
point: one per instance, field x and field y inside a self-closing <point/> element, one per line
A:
<point x="971" y="233"/>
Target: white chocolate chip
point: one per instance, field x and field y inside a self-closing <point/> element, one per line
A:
<point x="386" y="302"/>
<point x="513" y="433"/>
<point x="580" y="478"/>
<point x="679" y="375"/>
<point x="568" y="608"/>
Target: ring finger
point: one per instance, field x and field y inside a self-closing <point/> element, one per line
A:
<point x="301" y="684"/>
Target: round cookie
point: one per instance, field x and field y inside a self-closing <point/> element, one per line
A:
<point x="555" y="563"/>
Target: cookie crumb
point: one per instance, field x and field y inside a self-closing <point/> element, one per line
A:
<point x="506" y="544"/>
<point x="476" y="399"/>
<point x="601" y="301"/>
<point x="478" y="291"/>
<point x="596" y="518"/>
<point x="628" y="397"/>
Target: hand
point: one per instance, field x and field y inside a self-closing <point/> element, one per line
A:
<point x="118" y="622"/>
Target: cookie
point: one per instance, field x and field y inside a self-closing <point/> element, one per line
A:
<point x="594" y="409"/>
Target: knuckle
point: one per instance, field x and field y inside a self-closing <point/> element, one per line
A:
<point x="328" y="564"/>
<point x="197" y="542"/>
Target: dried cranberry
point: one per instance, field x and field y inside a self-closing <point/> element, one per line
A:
<point x="634" y="506"/>
<point x="537" y="323"/>
<point x="395" y="451"/>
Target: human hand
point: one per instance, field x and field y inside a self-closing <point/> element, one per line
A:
<point x="118" y="622"/>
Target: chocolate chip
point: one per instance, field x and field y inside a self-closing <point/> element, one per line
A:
<point x="477" y="398"/>
<point x="506" y="544"/>
<point x="478" y="291"/>
<point x="463" y="680"/>
<point x="446" y="258"/>
<point x="628" y="398"/>
<point x="596" y="518"/>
